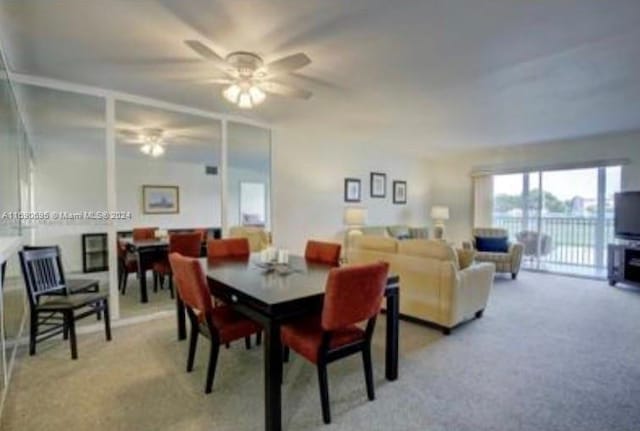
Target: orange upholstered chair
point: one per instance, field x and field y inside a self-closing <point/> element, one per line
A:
<point x="228" y="248"/>
<point x="323" y="252"/>
<point x="220" y="324"/>
<point x="144" y="233"/>
<point x="353" y="295"/>
<point x="126" y="266"/>
<point x="187" y="244"/>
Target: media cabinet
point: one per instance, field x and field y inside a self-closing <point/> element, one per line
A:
<point x="623" y="264"/>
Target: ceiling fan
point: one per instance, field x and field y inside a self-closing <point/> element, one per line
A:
<point x="152" y="140"/>
<point x="249" y="79"/>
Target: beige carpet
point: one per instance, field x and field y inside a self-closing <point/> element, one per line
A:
<point x="551" y="353"/>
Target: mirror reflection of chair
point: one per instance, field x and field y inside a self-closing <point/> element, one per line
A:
<point x="53" y="308"/>
<point x="220" y="324"/>
<point x="187" y="244"/>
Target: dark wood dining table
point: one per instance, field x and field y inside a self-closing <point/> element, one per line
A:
<point x="146" y="252"/>
<point x="273" y="298"/>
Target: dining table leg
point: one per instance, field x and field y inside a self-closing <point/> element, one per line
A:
<point x="272" y="377"/>
<point x="142" y="276"/>
<point x="180" y="315"/>
<point x="392" y="336"/>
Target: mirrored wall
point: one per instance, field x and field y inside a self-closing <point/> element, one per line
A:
<point x="15" y="193"/>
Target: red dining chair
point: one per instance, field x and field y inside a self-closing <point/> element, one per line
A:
<point x="228" y="248"/>
<point x="353" y="295"/>
<point x="220" y="324"/>
<point x="126" y="266"/>
<point x="144" y="233"/>
<point x="231" y="248"/>
<point x="187" y="244"/>
<point x="323" y="252"/>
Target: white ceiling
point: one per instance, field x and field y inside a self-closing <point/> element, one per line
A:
<point x="424" y="75"/>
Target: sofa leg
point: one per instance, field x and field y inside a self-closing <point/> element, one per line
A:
<point x="446" y="331"/>
<point x="479" y="313"/>
<point x="514" y="275"/>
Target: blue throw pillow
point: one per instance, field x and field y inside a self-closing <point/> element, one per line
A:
<point x="494" y="245"/>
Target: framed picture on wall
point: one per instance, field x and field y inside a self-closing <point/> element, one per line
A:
<point x="352" y="190"/>
<point x="160" y="199"/>
<point x="399" y="192"/>
<point x="378" y="185"/>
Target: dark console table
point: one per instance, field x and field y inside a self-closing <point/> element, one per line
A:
<point x="623" y="264"/>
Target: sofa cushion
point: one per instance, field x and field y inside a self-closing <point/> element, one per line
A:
<point x="492" y="244"/>
<point x="465" y="257"/>
<point x="377" y="243"/>
<point x="430" y="248"/>
<point x="375" y="231"/>
<point x="399" y="232"/>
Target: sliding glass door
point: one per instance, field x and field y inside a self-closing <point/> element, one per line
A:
<point x="564" y="218"/>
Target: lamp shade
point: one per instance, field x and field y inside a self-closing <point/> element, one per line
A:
<point x="440" y="213"/>
<point x="355" y="216"/>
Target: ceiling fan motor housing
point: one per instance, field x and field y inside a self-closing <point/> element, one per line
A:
<point x="246" y="63"/>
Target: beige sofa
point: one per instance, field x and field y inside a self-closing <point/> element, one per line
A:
<point x="259" y="239"/>
<point x="433" y="288"/>
<point x="505" y="262"/>
<point x="397" y="231"/>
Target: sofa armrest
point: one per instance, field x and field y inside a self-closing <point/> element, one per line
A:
<point x="516" y="249"/>
<point x="473" y="288"/>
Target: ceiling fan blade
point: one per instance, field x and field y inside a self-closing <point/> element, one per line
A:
<point x="285" y="90"/>
<point x="209" y="54"/>
<point x="287" y="64"/>
<point x="221" y="81"/>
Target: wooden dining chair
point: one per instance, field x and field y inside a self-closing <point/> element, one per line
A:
<point x="187" y="244"/>
<point x="53" y="309"/>
<point x="228" y="248"/>
<point x="220" y="324"/>
<point x="327" y="253"/>
<point x="144" y="233"/>
<point x="353" y="296"/>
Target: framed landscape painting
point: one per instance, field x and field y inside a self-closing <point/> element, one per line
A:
<point x="160" y="199"/>
<point x="399" y="192"/>
<point x="378" y="185"/>
<point x="352" y="191"/>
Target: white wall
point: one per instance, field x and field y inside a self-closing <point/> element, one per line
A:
<point x="451" y="175"/>
<point x="309" y="169"/>
<point x="78" y="183"/>
<point x="199" y="193"/>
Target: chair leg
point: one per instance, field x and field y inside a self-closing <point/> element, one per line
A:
<point x="323" y="382"/>
<point x="193" y="343"/>
<point x="259" y="338"/>
<point x="368" y="372"/>
<point x="247" y="342"/>
<point x="286" y="353"/>
<point x="107" y="321"/>
<point x="124" y="282"/>
<point x="71" y="324"/>
<point x="213" y="361"/>
<point x="33" y="332"/>
<point x="65" y="330"/>
<point x="171" y="286"/>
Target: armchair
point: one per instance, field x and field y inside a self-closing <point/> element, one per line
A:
<point x="505" y="262"/>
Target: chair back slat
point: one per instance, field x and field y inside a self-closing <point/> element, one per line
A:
<point x="42" y="272"/>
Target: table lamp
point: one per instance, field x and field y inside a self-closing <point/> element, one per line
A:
<point x="354" y="219"/>
<point x="439" y="214"/>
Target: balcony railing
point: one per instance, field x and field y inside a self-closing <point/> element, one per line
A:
<point x="577" y="241"/>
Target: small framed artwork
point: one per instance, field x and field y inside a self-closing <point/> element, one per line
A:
<point x="399" y="192"/>
<point x="352" y="190"/>
<point x="378" y="185"/>
<point x="160" y="199"/>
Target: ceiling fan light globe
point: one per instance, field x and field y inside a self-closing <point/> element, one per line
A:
<point x="157" y="151"/>
<point x="257" y="95"/>
<point x="231" y="93"/>
<point x="146" y="149"/>
<point x="244" y="101"/>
